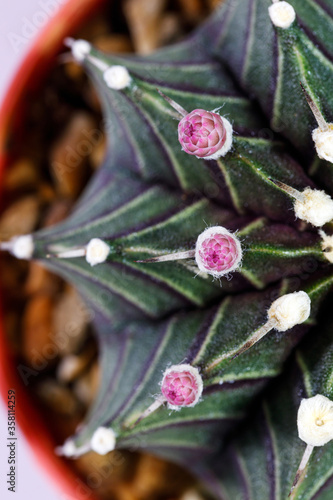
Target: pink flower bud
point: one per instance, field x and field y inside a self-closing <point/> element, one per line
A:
<point x="205" y="134"/>
<point x="217" y="252"/>
<point x="181" y="386"/>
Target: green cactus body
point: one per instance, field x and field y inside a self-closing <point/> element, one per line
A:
<point x="147" y="205"/>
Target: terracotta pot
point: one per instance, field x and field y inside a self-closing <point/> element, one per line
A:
<point x="30" y="76"/>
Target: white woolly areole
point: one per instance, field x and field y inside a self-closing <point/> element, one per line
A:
<point x="327" y="246"/>
<point x="290" y="310"/>
<point x="324" y="142"/>
<point x="195" y="373"/>
<point x="282" y="14"/>
<point x="226" y="146"/>
<point x="315" y="420"/>
<point x="97" y="251"/>
<point x="315" y="208"/>
<point x="103" y="440"/>
<point x="117" y="77"/>
<point x="209" y="232"/>
<point x="80" y="49"/>
<point x="68" y="449"/>
<point x="22" y="247"/>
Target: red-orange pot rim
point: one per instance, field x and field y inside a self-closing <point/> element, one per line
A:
<point x="69" y="17"/>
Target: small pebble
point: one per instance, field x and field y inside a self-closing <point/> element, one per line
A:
<point x="114" y="43"/>
<point x="144" y="18"/>
<point x="70" y="154"/>
<point x="40" y="280"/>
<point x="70" y="321"/>
<point x="19" y="218"/>
<point x="86" y="386"/>
<point x="21" y="175"/>
<point x="38" y="343"/>
<point x="57" y="397"/>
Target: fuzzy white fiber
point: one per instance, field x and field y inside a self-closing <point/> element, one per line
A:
<point x="315" y="208"/>
<point x="315" y="420"/>
<point x="323" y="140"/>
<point x="290" y="310"/>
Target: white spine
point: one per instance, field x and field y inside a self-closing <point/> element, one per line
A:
<point x="290" y="310"/>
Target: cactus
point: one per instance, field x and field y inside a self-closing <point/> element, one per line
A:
<point x="198" y="248"/>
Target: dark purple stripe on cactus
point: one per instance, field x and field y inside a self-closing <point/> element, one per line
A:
<point x="147" y="224"/>
<point x="156" y="63"/>
<point x="327" y="8"/>
<point x="328" y="484"/>
<point x="239" y="384"/>
<point x="161" y="284"/>
<point x="275" y="75"/>
<point x="194" y="454"/>
<point x="316" y="42"/>
<point x="224" y="196"/>
<point x="135" y="164"/>
<point x="235" y="457"/>
<point x="100" y="183"/>
<point x="214" y="25"/>
<point x="189" y="88"/>
<point x="158" y="56"/>
<point x="245" y="52"/>
<point x="117" y="372"/>
<point x="228" y="14"/>
<point x="65" y="270"/>
<point x="157" y="138"/>
<point x="300" y="376"/>
<point x="144" y="189"/>
<point x="270" y="463"/>
<point x="139" y="383"/>
<point x="188" y="423"/>
<point x="211" y="479"/>
<point x="202" y="334"/>
<point x="72" y="228"/>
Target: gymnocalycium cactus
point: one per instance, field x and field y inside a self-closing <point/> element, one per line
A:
<point x="203" y="247"/>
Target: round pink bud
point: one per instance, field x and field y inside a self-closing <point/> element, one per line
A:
<point x="205" y="134"/>
<point x="217" y="251"/>
<point x="181" y="386"/>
